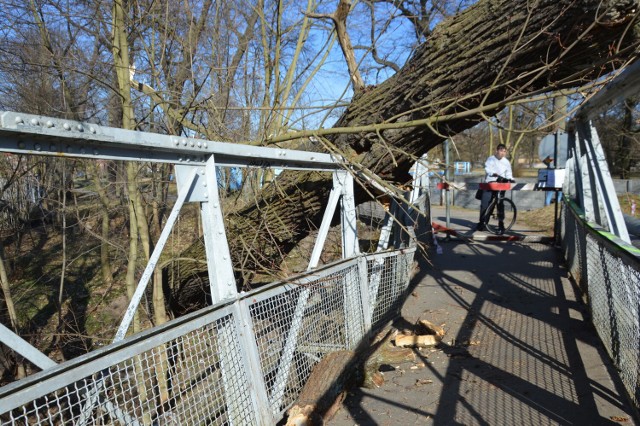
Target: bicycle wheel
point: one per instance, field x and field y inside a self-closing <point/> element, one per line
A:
<point x="502" y="213"/>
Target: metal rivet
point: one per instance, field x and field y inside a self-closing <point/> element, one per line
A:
<point x="34" y="121"/>
<point x="206" y="195"/>
<point x="179" y="158"/>
<point x="205" y="145"/>
<point x="204" y="184"/>
<point x="80" y="128"/>
<point x="313" y="158"/>
<point x="199" y="144"/>
<point x="184" y="142"/>
<point x="37" y="147"/>
<point x="92" y="129"/>
<point x="66" y="126"/>
<point x="230" y="283"/>
<point x="49" y="123"/>
<point x="201" y="171"/>
<point x="192" y="143"/>
<point x="224" y="257"/>
<point x="220" y="232"/>
<point x="18" y="120"/>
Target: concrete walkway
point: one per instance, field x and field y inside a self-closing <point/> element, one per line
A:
<point x="519" y="348"/>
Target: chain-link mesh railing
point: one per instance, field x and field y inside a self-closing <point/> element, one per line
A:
<point x="237" y="363"/>
<point x="384" y="273"/>
<point x="608" y="272"/>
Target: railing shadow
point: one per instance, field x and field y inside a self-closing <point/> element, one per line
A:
<point x="532" y="362"/>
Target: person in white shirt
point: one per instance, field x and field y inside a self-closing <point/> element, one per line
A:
<point x="496" y="166"/>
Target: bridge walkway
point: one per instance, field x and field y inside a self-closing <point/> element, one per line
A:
<point x="519" y="347"/>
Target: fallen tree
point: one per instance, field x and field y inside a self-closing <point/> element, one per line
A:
<point x="472" y="65"/>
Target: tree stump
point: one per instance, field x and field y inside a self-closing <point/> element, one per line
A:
<point x="385" y="354"/>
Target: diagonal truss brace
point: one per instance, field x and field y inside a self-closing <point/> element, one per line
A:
<point x="342" y="191"/>
<point x="21" y="346"/>
<point x="603" y="195"/>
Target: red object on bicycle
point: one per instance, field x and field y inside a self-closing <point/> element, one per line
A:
<point x="495" y="186"/>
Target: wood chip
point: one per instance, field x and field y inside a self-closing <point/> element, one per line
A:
<point x="421" y="341"/>
<point x="431" y="328"/>
<point x="619" y="419"/>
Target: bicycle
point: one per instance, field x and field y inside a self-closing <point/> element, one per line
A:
<point x="501" y="212"/>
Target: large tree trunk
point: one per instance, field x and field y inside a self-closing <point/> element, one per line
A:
<point x="494" y="52"/>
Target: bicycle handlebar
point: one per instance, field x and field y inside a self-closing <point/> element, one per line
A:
<point x="504" y="180"/>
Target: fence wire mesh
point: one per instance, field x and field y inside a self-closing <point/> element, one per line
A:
<point x="610" y="277"/>
<point x="195" y="370"/>
<point x="388" y="279"/>
<point x="313" y="318"/>
<point x="197" y="378"/>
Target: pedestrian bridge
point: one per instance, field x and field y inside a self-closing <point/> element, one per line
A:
<point x="246" y="358"/>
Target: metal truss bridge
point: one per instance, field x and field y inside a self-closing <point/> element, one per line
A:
<point x="246" y="358"/>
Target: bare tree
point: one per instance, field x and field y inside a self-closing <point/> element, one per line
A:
<point x="492" y="54"/>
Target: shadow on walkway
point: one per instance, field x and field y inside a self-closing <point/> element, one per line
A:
<point x="519" y="348"/>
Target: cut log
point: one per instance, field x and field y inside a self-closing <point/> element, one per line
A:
<point x="324" y="391"/>
<point x="423" y="341"/>
<point x="431" y="328"/>
<point x="385" y="354"/>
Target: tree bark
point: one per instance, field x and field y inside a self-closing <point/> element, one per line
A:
<point x="495" y="52"/>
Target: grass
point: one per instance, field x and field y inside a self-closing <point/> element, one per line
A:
<point x="626" y="200"/>
<point x="543" y="218"/>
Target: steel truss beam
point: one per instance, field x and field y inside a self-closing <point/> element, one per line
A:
<point x="600" y="202"/>
<point x="34" y="134"/>
<point x="195" y="170"/>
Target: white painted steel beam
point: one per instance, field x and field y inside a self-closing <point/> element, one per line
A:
<point x="625" y="85"/>
<point x="24" y="348"/>
<point x="220" y="268"/>
<point x="350" y="246"/>
<point x="155" y="256"/>
<point x="34" y="134"/>
<point x="603" y="182"/>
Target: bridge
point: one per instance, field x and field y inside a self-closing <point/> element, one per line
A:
<point x="246" y="358"/>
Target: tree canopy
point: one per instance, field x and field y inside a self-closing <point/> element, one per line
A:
<point x="469" y="67"/>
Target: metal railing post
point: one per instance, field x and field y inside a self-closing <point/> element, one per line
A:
<point x="350" y="246"/>
<point x="221" y="279"/>
<point x="251" y="358"/>
<point x="365" y="296"/>
<point x="385" y="232"/>
<point x="354" y="321"/>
